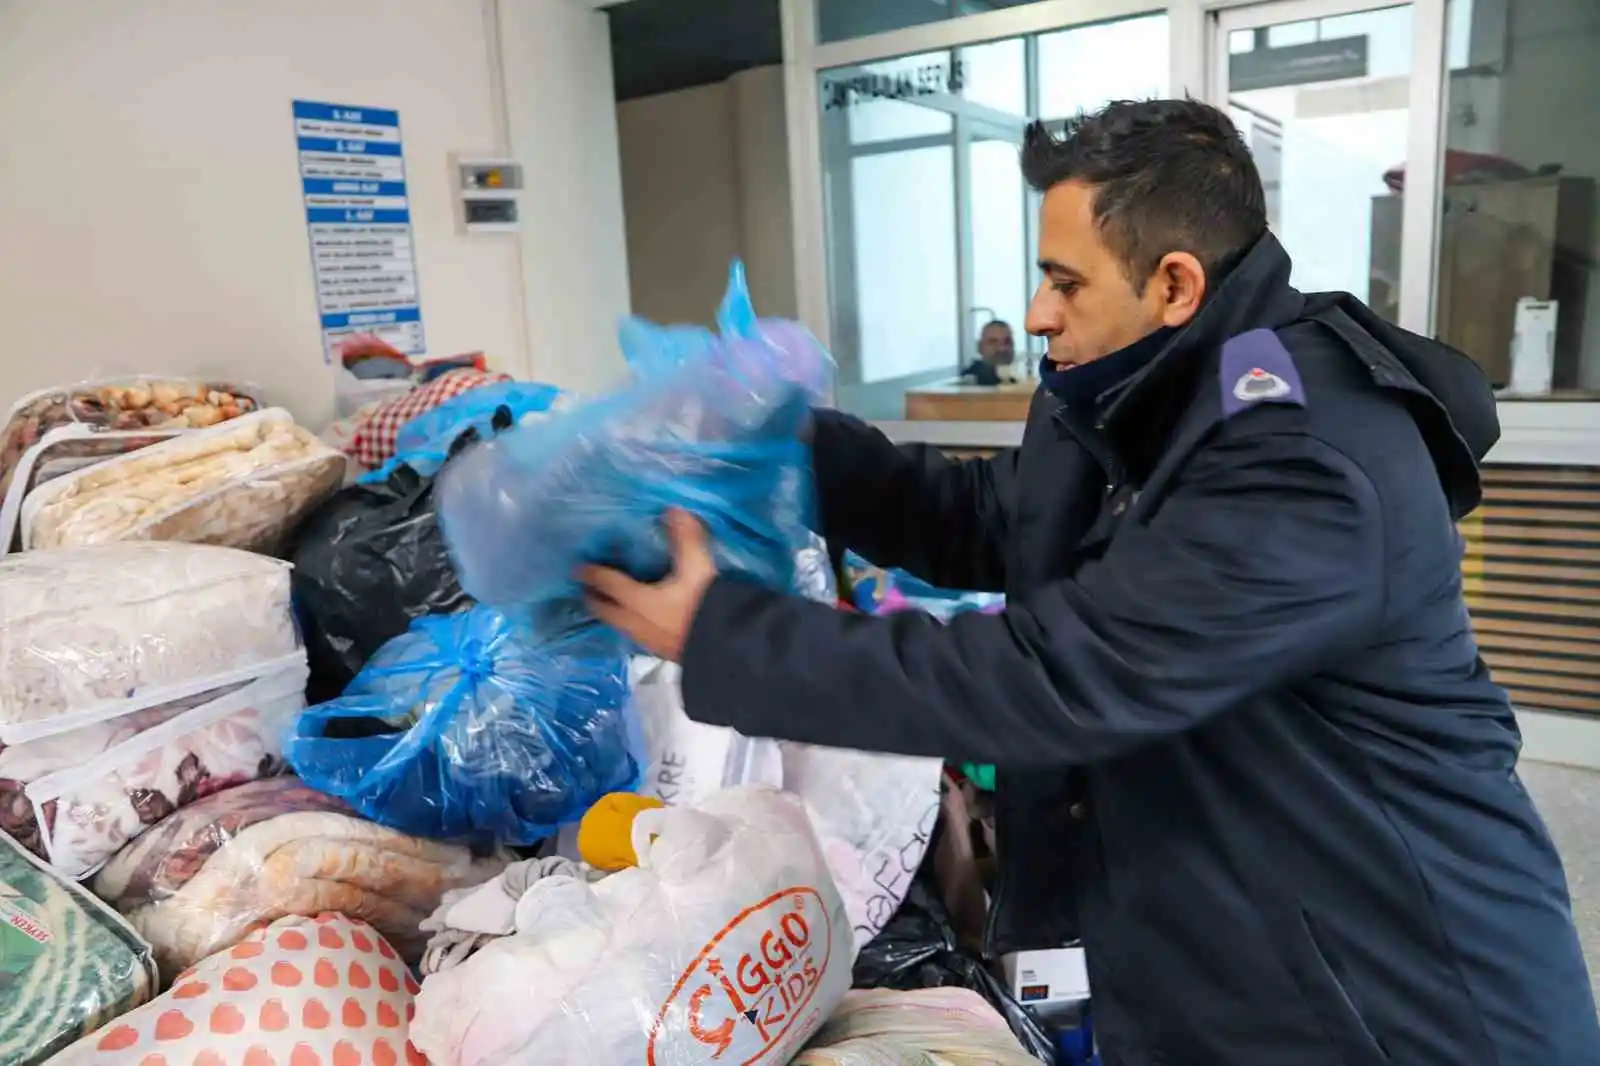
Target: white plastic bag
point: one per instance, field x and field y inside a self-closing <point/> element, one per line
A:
<point x="687" y="760"/>
<point x="873" y="814"/>
<point x="243" y="484"/>
<point x="728" y="944"/>
<point x="90" y="634"/>
<point x="814" y="572"/>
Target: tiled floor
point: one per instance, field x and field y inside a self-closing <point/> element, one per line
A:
<point x="1570" y="802"/>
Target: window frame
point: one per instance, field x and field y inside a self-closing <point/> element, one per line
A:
<point x="1560" y="432"/>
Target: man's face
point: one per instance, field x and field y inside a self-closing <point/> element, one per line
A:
<point x="1085" y="305"/>
<point x="996" y="346"/>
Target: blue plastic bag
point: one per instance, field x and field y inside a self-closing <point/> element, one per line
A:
<point x="425" y="442"/>
<point x="463" y="727"/>
<point x="709" y="424"/>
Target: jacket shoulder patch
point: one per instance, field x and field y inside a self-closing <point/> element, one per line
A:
<point x="1257" y="368"/>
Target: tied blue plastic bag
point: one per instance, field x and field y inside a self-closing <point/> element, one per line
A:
<point x="709" y="424"/>
<point x="424" y="443"/>
<point x="463" y="727"/>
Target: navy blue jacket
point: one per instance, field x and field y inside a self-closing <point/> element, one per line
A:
<point x="1248" y="749"/>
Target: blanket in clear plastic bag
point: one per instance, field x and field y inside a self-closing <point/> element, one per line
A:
<point x="68" y="965"/>
<point x="209" y="873"/>
<point x="924" y="1027"/>
<point x="324" y="991"/>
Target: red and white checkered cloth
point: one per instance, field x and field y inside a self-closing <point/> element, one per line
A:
<point x="373" y="443"/>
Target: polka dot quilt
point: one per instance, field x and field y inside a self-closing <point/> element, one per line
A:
<point x="301" y="992"/>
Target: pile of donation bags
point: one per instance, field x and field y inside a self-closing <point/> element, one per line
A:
<point x="497" y="837"/>
<point x="372" y="560"/>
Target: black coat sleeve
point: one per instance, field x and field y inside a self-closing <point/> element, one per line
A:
<point x="909" y="506"/>
<point x="1264" y="565"/>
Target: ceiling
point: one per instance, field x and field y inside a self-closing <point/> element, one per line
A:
<point x="658" y="46"/>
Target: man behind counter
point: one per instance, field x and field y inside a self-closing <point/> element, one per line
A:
<point x="1247" y="747"/>
<point x="996" y="351"/>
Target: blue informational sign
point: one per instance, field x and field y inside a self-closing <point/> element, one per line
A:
<point x="353" y="178"/>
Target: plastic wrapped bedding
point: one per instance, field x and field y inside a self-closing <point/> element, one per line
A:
<point x="76" y="798"/>
<point x="244" y="484"/>
<point x="204" y="877"/>
<point x="55" y="431"/>
<point x="323" y="991"/>
<point x="68" y="964"/>
<point x="94" y="633"/>
<point x="924" y="1027"/>
<point x="124" y="403"/>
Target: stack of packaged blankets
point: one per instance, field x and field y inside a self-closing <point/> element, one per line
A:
<point x="494" y="836"/>
<point x="146" y="689"/>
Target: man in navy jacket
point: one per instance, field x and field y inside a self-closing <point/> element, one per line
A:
<point x="1248" y="750"/>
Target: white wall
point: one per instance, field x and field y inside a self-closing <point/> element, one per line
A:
<point x="561" y="104"/>
<point x="681" y="197"/>
<point x="705" y="177"/>
<point x="150" y="212"/>
<point x="761" y="162"/>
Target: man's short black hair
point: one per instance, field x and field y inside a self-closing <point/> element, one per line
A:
<point x="1168" y="175"/>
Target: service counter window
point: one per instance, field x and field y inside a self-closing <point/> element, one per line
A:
<point x="1516" y="284"/>
<point x="930" y="228"/>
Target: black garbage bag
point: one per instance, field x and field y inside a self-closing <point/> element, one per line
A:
<point x="917" y="949"/>
<point x="366" y="564"/>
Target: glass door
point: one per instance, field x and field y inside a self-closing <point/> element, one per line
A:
<point x="1320" y="90"/>
<point x="930" y="227"/>
<point x="996" y="260"/>
<point x="890" y="194"/>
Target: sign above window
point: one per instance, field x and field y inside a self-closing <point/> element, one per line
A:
<point x="932" y="79"/>
<point x="1298" y="64"/>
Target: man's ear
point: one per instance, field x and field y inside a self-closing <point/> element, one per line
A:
<point x="1180" y="281"/>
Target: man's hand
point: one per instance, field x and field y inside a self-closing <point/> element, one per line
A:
<point x="657" y="617"/>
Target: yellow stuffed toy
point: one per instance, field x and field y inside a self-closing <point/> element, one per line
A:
<point x="605" y="836"/>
